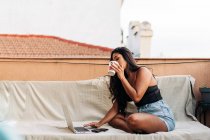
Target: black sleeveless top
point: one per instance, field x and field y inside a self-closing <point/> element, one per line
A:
<point x="151" y="95"/>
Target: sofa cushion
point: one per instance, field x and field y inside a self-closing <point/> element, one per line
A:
<point x="58" y="131"/>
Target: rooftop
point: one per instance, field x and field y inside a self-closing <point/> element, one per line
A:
<point x="41" y="46"/>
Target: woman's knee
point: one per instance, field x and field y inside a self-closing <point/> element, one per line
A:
<point x="131" y="120"/>
<point x="134" y="121"/>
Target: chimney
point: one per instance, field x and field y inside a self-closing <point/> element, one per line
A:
<point x="139" y="39"/>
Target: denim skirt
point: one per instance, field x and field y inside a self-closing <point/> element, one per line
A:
<point x="161" y="110"/>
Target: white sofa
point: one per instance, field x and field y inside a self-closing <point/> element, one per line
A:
<point x="35" y="107"/>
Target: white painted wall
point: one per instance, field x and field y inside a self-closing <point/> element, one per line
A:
<point x="89" y="21"/>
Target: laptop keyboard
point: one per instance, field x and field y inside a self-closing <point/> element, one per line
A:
<point x="81" y="129"/>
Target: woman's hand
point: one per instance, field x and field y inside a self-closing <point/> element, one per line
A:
<point x="118" y="69"/>
<point x="92" y="124"/>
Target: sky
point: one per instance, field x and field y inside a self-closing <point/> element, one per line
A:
<point x="181" y="28"/>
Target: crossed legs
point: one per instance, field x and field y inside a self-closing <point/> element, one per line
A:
<point x="138" y="122"/>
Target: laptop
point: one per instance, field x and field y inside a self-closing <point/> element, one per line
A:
<point x="76" y="130"/>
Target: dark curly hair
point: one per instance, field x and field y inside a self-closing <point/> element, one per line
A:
<point x="116" y="88"/>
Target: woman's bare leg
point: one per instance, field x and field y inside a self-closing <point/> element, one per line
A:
<point x="119" y="122"/>
<point x="146" y="122"/>
<point x="138" y="122"/>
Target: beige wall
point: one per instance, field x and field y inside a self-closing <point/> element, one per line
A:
<point x="88" y="68"/>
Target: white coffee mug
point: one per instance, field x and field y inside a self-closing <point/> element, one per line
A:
<point x="111" y="72"/>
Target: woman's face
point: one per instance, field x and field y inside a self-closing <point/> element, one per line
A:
<point x="119" y="58"/>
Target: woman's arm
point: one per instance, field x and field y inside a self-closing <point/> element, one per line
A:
<point x="143" y="79"/>
<point x="107" y="118"/>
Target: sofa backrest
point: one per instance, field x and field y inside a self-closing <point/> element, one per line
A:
<point x="87" y="100"/>
<point x="41" y="100"/>
<point x="177" y="91"/>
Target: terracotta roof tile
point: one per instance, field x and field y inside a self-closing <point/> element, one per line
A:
<point x="40" y="46"/>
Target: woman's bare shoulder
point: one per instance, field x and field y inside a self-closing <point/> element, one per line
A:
<point x="145" y="74"/>
<point x="143" y="70"/>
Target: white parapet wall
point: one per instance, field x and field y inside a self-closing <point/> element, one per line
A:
<point x="89" y="21"/>
<point x="139" y="39"/>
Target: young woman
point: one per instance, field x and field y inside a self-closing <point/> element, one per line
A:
<point x="134" y="83"/>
